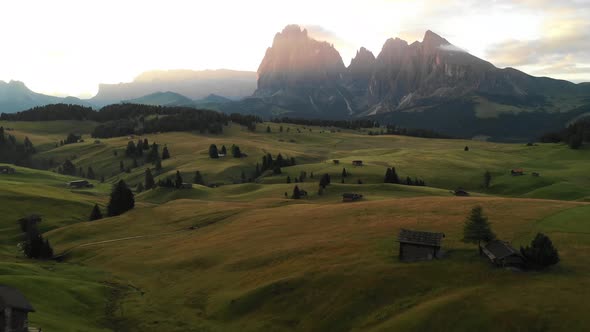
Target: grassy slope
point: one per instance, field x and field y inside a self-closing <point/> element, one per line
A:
<point x="258" y="261"/>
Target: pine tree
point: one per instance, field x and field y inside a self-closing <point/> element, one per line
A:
<point x="394" y="176"/>
<point x="198" y="178"/>
<point x="90" y="173"/>
<point x="477" y="228"/>
<point x="344" y="174"/>
<point x="165" y="153"/>
<point x="149" y="180"/>
<point x="288" y="179"/>
<point x="268" y="129"/>
<point x="158" y="166"/>
<point x="236" y="152"/>
<point x="95" y="214"/>
<point x="153" y="155"/>
<point x="223" y="150"/>
<point x="213" y="151"/>
<point x="296" y="193"/>
<point x="541" y="253"/>
<point x="122" y="199"/>
<point x="409" y="181"/>
<point x="277" y="170"/>
<point x="388" y="176"/>
<point x="146" y="144"/>
<point x="325" y="180"/>
<point x="178" y="180"/>
<point x="130" y="151"/>
<point x="139" y="188"/>
<point x="487" y="179"/>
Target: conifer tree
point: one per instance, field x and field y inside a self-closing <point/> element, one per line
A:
<point x="296" y="193"/>
<point x="477" y="228"/>
<point x="198" y="179"/>
<point x="178" y="180"/>
<point x="541" y="253"/>
<point x="149" y="179"/>
<point x="122" y="199"/>
<point x="165" y="153"/>
<point x="487" y="179"/>
<point x="223" y="150"/>
<point x="213" y="151"/>
<point x="288" y="179"/>
<point x="268" y="129"/>
<point x="90" y="173"/>
<point x="344" y="174"/>
<point x="95" y="214"/>
<point x="158" y="166"/>
<point x="139" y="188"/>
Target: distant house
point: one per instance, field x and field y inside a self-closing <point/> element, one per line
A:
<point x="6" y="170"/>
<point x="351" y="197"/>
<point x="185" y="185"/>
<point x="419" y="246"/>
<point x="502" y="254"/>
<point x="357" y="163"/>
<point x="220" y="155"/>
<point x="80" y="184"/>
<point x="14" y="310"/>
<point x="517" y="171"/>
<point x="336" y="161"/>
<point x="460" y="192"/>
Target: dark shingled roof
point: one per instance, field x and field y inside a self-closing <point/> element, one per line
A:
<point x="418" y="237"/>
<point x="498" y="249"/>
<point x="12" y="298"/>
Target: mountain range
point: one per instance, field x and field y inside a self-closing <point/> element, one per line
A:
<point x="430" y="84"/>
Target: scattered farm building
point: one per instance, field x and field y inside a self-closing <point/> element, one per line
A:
<point x="14" y="310"/>
<point x="6" y="170"/>
<point x="221" y="155"/>
<point x="80" y="184"/>
<point x="460" y="192"/>
<point x="336" y="161"/>
<point x="351" y="197"/>
<point x="419" y="246"/>
<point x="357" y="163"/>
<point x="517" y="171"/>
<point x="502" y="254"/>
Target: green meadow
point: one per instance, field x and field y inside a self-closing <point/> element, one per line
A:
<point x="241" y="256"/>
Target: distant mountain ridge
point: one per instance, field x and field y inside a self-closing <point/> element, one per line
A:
<point x="193" y="84"/>
<point x="308" y="77"/>
<point x="16" y="96"/>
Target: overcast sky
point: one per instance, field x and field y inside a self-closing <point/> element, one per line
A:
<point x="67" y="47"/>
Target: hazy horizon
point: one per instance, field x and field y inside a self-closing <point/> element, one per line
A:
<point x="67" y="48"/>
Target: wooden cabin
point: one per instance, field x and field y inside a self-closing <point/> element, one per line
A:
<point x="460" y="192"/>
<point x="351" y="197"/>
<point x="6" y="170"/>
<point x="357" y="163"/>
<point x="336" y="161"/>
<point x="502" y="254"/>
<point x="80" y="184"/>
<point x="14" y="310"/>
<point x="419" y="246"/>
<point x="517" y="171"/>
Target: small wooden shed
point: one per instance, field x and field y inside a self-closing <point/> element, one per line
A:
<point x="418" y="245"/>
<point x="502" y="254"/>
<point x="357" y="163"/>
<point x="14" y="310"/>
<point x="351" y="197"/>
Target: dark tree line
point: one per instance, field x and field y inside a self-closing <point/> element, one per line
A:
<point x="344" y="124"/>
<point x="413" y="132"/>
<point x="126" y="119"/>
<point x="574" y="135"/>
<point x="391" y="176"/>
<point x="34" y="245"/>
<point x="268" y="163"/>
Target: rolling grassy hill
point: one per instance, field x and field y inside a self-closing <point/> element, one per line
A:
<point x="243" y="257"/>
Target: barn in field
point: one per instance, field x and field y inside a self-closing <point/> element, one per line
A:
<point x="357" y="163"/>
<point x="14" y="310"/>
<point x="502" y="254"/>
<point x="351" y="197"/>
<point x="80" y="184"/>
<point x="419" y="246"/>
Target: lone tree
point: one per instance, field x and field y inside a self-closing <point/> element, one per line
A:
<point x="149" y="180"/>
<point x="344" y="174"/>
<point x="213" y="151"/>
<point x="95" y="214"/>
<point x="165" y="153"/>
<point x="296" y="193"/>
<point x="268" y="129"/>
<point x="122" y="199"/>
<point x="487" y="179"/>
<point x="477" y="228"/>
<point x="541" y="253"/>
<point x="178" y="180"/>
<point x="223" y="150"/>
<point x="198" y="179"/>
<point x="325" y="180"/>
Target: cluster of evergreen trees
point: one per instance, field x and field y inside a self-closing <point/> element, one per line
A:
<point x="392" y="177"/>
<point x="214" y="153"/>
<point x="68" y="168"/>
<point x="391" y="129"/>
<point x="14" y="152"/>
<point x="34" y="245"/>
<point x="268" y="163"/>
<point x="574" y="135"/>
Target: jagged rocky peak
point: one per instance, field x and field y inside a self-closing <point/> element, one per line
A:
<point x="295" y="57"/>
<point x="363" y="59"/>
